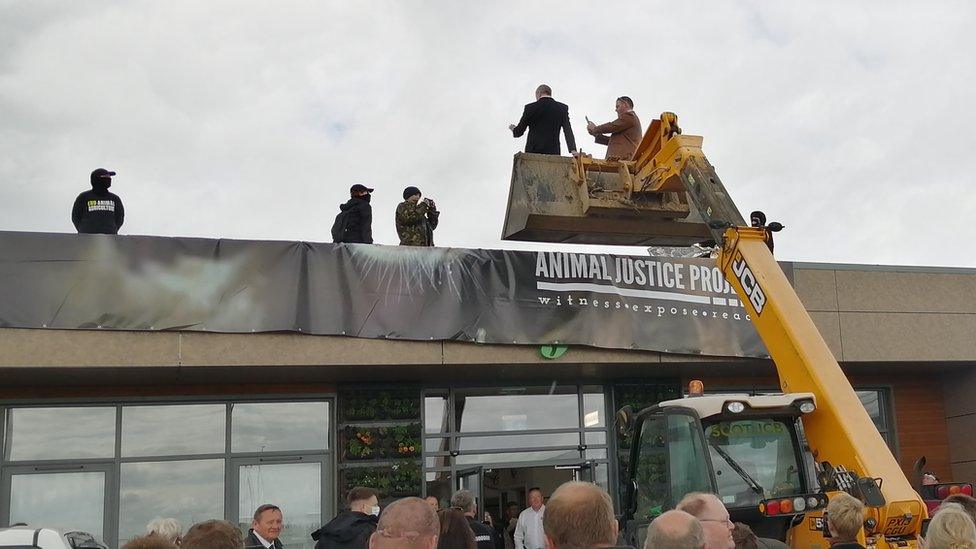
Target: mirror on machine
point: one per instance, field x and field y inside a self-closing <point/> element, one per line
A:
<point x="625" y="421"/>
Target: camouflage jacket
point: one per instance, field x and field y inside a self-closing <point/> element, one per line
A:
<point x="415" y="223"/>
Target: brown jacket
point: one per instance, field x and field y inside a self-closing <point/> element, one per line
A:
<point x="625" y="134"/>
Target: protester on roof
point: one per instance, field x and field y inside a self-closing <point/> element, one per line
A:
<point x="416" y="219"/>
<point x="354" y="223"/>
<point x="98" y="211"/>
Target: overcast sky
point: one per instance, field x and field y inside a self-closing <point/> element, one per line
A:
<point x="850" y="122"/>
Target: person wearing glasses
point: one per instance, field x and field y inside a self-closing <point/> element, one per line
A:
<point x="714" y="518"/>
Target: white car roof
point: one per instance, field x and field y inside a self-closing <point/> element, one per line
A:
<point x="24" y="535"/>
<point x="710" y="405"/>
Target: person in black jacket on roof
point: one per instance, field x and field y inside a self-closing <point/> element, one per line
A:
<point x="98" y="211"/>
<point x="354" y="224"/>
<point x="351" y="529"/>
<point x="544" y="118"/>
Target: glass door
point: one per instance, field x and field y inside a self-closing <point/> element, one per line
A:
<point x="293" y="483"/>
<point x="67" y="498"/>
<point x="473" y="480"/>
<point x="582" y="472"/>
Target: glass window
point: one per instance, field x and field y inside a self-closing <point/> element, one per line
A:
<point x="871" y="400"/>
<point x="599" y="453"/>
<point x="279" y="426"/>
<point x="515" y="457"/>
<point x="876" y="403"/>
<point x="597" y="437"/>
<point x="601" y="476"/>
<point x="189" y="491"/>
<point x="435" y="414"/>
<point x="173" y="430"/>
<point x="753" y="452"/>
<point x="64" y="501"/>
<point x="594" y="409"/>
<point x="440" y="486"/>
<point x="294" y="487"/>
<point x="689" y="470"/>
<point x="437" y="445"/>
<point x="504" y="442"/>
<point x="60" y="433"/>
<point x="516" y="409"/>
<point x="651" y="468"/>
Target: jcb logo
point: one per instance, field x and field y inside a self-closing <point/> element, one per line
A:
<point x="749" y="283"/>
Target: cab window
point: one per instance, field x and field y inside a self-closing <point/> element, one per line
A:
<point x="753" y="459"/>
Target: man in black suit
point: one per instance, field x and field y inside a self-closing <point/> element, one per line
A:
<point x="543" y="119"/>
<point x="265" y="528"/>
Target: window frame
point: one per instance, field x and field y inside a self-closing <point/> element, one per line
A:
<point x="445" y="458"/>
<point x="112" y="510"/>
<point x="886" y="407"/>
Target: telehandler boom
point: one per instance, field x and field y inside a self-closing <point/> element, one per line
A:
<point x="814" y="440"/>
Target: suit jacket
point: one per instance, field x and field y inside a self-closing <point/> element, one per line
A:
<point x="252" y="542"/>
<point x="625" y="134"/>
<point x="544" y="118"/>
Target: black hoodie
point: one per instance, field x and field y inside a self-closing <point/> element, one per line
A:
<point x="98" y="211"/>
<point x="359" y="226"/>
<point x="349" y="530"/>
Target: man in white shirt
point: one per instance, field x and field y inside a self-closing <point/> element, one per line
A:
<point x="528" y="530"/>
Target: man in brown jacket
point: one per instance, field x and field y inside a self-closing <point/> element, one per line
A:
<point x="625" y="132"/>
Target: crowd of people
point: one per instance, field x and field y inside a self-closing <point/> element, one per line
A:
<point x="578" y="515"/>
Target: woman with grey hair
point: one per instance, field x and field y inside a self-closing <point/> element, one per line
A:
<point x="167" y="528"/>
<point x="950" y="528"/>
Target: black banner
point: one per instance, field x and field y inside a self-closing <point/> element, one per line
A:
<point x="488" y="296"/>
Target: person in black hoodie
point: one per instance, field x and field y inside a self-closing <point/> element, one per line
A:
<point x="354" y="224"/>
<point x="351" y="529"/>
<point x="98" y="211"/>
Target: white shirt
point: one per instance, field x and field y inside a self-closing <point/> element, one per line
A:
<point x="528" y="530"/>
<point x="264" y="542"/>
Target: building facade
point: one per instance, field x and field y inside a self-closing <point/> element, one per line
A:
<point x="104" y="430"/>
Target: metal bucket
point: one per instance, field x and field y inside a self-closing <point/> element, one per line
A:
<point x="563" y="199"/>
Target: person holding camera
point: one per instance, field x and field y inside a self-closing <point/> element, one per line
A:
<point x="416" y="219"/>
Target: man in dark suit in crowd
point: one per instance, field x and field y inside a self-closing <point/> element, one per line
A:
<point x="544" y="118"/>
<point x="265" y="528"/>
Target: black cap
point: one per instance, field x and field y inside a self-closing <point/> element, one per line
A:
<point x="102" y="172"/>
<point x="357" y="188"/>
<point x="410" y="191"/>
<point x="758" y="215"/>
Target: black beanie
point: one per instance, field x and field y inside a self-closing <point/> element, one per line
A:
<point x="410" y="191"/>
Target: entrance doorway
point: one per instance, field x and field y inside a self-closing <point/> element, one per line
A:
<point x="504" y="491"/>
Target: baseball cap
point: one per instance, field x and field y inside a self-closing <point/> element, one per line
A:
<point x="102" y="172"/>
<point x="410" y="191"/>
<point x="357" y="188"/>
